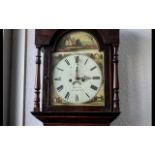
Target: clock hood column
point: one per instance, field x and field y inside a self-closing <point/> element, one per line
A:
<point x="115" y="80"/>
<point x="37" y="82"/>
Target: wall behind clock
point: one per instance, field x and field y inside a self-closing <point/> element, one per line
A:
<point x="134" y="75"/>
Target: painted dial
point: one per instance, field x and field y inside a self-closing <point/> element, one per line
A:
<point x="77" y="79"/>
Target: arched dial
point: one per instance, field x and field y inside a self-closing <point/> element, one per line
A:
<point x="77" y="79"/>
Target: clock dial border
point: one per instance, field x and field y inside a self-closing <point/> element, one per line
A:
<point x="101" y="89"/>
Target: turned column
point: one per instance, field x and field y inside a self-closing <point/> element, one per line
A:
<point x="37" y="82"/>
<point x="115" y="80"/>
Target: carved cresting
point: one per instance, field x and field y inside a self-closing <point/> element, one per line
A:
<point x="37" y="82"/>
<point x="115" y="80"/>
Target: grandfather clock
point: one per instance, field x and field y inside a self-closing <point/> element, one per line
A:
<point x="80" y="76"/>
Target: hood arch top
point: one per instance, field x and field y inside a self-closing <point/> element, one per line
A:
<point x="76" y="41"/>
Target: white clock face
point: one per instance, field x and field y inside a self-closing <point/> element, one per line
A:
<point x="77" y="79"/>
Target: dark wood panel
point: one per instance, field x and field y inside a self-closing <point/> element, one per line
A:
<point x="76" y="119"/>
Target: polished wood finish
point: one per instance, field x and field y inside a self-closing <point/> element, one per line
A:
<point x="37" y="82"/>
<point x="76" y="119"/>
<point x="108" y="40"/>
<point x="115" y="80"/>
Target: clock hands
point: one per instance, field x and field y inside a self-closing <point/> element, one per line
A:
<point x="77" y="73"/>
<point x="77" y="78"/>
<point x="85" y="78"/>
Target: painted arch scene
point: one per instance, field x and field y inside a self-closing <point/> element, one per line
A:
<point x="75" y="41"/>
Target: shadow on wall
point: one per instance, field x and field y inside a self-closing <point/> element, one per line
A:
<point x="135" y="77"/>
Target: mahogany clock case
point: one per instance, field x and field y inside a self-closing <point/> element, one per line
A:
<point x="47" y="40"/>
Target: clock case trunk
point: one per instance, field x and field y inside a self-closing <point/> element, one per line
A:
<point x="46" y="41"/>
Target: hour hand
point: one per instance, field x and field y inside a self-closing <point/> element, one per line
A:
<point x="85" y="78"/>
<point x="77" y="73"/>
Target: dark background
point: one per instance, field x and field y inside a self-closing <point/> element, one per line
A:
<point x="153" y="68"/>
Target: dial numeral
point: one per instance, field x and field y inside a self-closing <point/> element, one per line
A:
<point x="93" y="68"/>
<point x="76" y="98"/>
<point x="77" y="59"/>
<point x="67" y="96"/>
<point x="60" y="88"/>
<point x="60" y="69"/>
<point x="86" y="62"/>
<point x="96" y="78"/>
<point x="94" y="87"/>
<point x="67" y="62"/>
